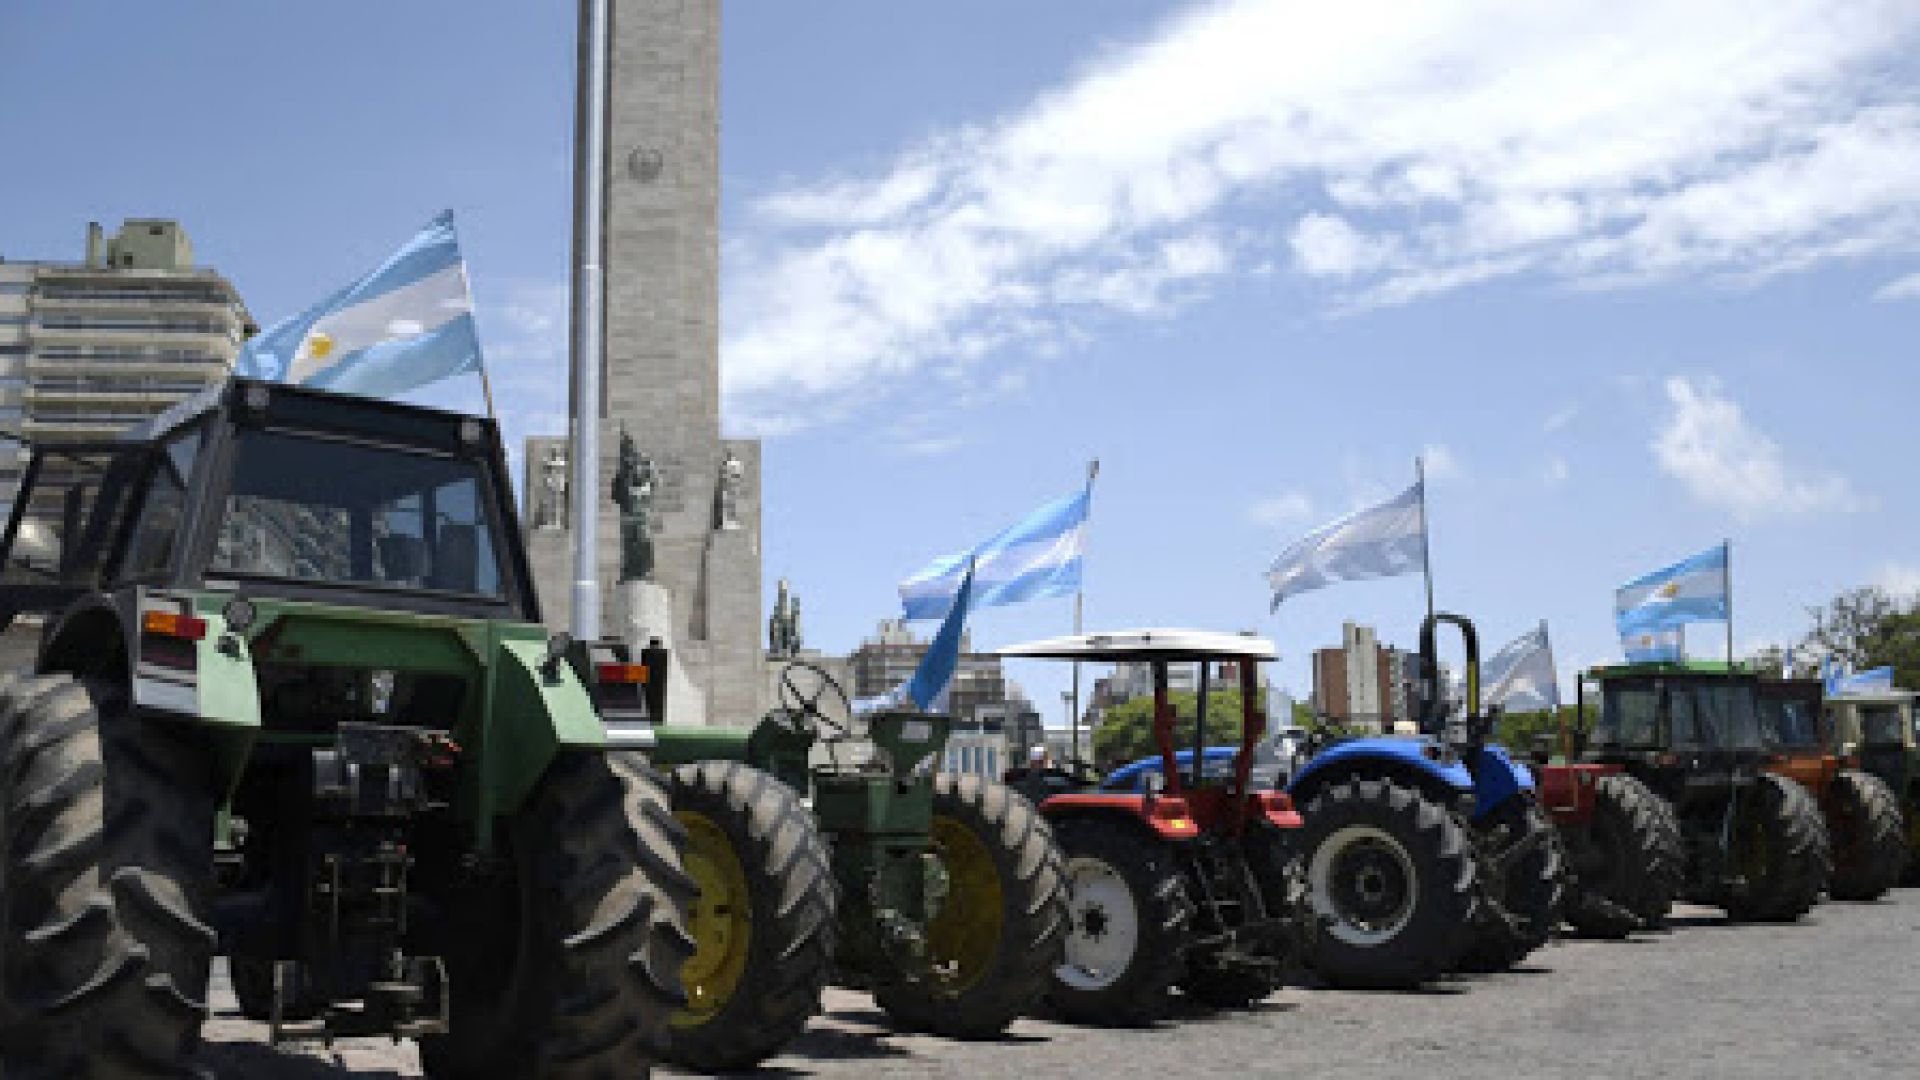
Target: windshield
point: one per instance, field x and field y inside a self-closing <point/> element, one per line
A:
<point x="1629" y="716"/>
<point x="310" y="509"/>
<point x="1882" y="725"/>
<point x="1713" y="714"/>
<point x="1790" y="722"/>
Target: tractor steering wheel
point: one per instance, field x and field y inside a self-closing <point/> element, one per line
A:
<point x="802" y="708"/>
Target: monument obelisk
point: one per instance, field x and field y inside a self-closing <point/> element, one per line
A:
<point x="660" y="368"/>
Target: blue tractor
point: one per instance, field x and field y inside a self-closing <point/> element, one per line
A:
<point x="1426" y="855"/>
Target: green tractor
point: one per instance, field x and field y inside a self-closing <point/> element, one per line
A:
<point x="943" y="895"/>
<point x="1754" y="841"/>
<point x="1881" y="731"/>
<point x="292" y="703"/>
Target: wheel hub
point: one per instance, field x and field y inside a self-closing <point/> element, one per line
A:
<point x="1104" y="929"/>
<point x="1363" y="880"/>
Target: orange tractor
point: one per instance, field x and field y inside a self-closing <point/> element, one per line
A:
<point x="1862" y="810"/>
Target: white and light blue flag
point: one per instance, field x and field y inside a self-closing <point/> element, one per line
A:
<point x="1520" y="677"/>
<point x="928" y="685"/>
<point x="406" y="324"/>
<point x="1691" y="590"/>
<point x="1038" y="556"/>
<point x="1878" y="680"/>
<point x="1377" y="541"/>
<point x="1654" y="646"/>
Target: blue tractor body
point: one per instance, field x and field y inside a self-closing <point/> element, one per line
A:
<point x="1420" y="759"/>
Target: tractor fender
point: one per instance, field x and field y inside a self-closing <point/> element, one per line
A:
<point x="1408" y="760"/>
<point x="1162" y="817"/>
<point x="1499" y="778"/>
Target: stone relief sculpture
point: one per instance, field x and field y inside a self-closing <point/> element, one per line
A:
<point x="733" y="475"/>
<point x="633" y="493"/>
<point x="550" y="506"/>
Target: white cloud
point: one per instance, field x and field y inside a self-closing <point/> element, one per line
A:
<point x="1442" y="463"/>
<point x="1281" y="510"/>
<point x="1903" y="288"/>
<point x="1555" y="472"/>
<point x="1709" y="446"/>
<point x="1901" y="580"/>
<point x="1560" y="418"/>
<point x="1413" y="149"/>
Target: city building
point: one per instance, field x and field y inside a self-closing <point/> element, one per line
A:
<point x="994" y="724"/>
<point x="92" y="346"/>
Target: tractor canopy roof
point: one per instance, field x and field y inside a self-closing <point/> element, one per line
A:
<point x="1170" y="645"/>
<point x="1671" y="668"/>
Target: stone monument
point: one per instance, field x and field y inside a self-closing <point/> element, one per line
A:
<point x="662" y="375"/>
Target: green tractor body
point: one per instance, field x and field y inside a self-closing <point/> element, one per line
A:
<point x="1754" y="842"/>
<point x="291" y="638"/>
<point x="941" y="894"/>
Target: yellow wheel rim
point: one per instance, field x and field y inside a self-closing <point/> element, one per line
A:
<point x="964" y="939"/>
<point x="721" y="921"/>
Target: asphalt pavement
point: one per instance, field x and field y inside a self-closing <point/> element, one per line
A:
<point x="1837" y="994"/>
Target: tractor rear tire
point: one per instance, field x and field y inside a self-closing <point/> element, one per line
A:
<point x="1631" y="861"/>
<point x="1532" y="897"/>
<point x="1132" y="921"/>
<point x="572" y="969"/>
<point x="106" y="872"/>
<point x="1000" y="932"/>
<point x="1378" y="844"/>
<point x="1793" y="853"/>
<point x="1869" y="836"/>
<point x="763" y="925"/>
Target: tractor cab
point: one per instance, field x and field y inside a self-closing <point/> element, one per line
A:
<point x="1190" y="880"/>
<point x="1880" y="729"/>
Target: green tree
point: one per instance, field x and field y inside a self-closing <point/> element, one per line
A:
<point x="1866" y="628"/>
<point x="1125" y="733"/>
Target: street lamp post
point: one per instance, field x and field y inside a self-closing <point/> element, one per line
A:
<point x="1068" y="702"/>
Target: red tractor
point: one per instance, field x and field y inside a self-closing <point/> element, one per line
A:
<point x="1190" y="882"/>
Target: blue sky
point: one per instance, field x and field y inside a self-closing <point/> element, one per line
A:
<point x="1635" y="276"/>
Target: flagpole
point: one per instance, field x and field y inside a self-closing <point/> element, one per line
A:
<point x="486" y="385"/>
<point x="1079" y="599"/>
<point x="589" y="307"/>
<point x="1426" y="542"/>
<point x="1726" y="566"/>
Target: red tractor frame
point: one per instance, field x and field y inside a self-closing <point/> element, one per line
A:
<point x="1192" y="882"/>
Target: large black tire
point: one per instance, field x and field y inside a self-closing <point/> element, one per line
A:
<point x="1523" y="901"/>
<point x="992" y="963"/>
<point x="763" y="924"/>
<point x="1391" y="876"/>
<point x="1782" y="849"/>
<point x="572" y="969"/>
<point x="1131" y="922"/>
<point x="1869" y="836"/>
<point x="107" y="871"/>
<point x="1628" y="861"/>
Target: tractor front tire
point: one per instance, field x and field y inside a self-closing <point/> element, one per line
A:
<point x="1784" y="852"/>
<point x="1628" y="864"/>
<point x="572" y="968"/>
<point x="1526" y="902"/>
<point x="999" y="933"/>
<point x="106" y="871"/>
<point x="1869" y="836"/>
<point x="763" y="926"/>
<point x="1391" y="876"/>
<point x="1131" y="923"/>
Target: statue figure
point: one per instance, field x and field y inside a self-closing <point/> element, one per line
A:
<point x="794" y="636"/>
<point x="633" y="494"/>
<point x="550" y="512"/>
<point x="732" y="475"/>
<point x="777" y="635"/>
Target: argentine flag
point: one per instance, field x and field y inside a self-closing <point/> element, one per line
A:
<point x="1691" y="590"/>
<point x="1520" y="677"/>
<point x="927" y="687"/>
<point x="1378" y="541"/>
<point x="1654" y="646"/>
<point x="1036" y="557"/>
<point x="406" y="324"/>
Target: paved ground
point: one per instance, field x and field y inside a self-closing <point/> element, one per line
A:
<point x="1838" y="994"/>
